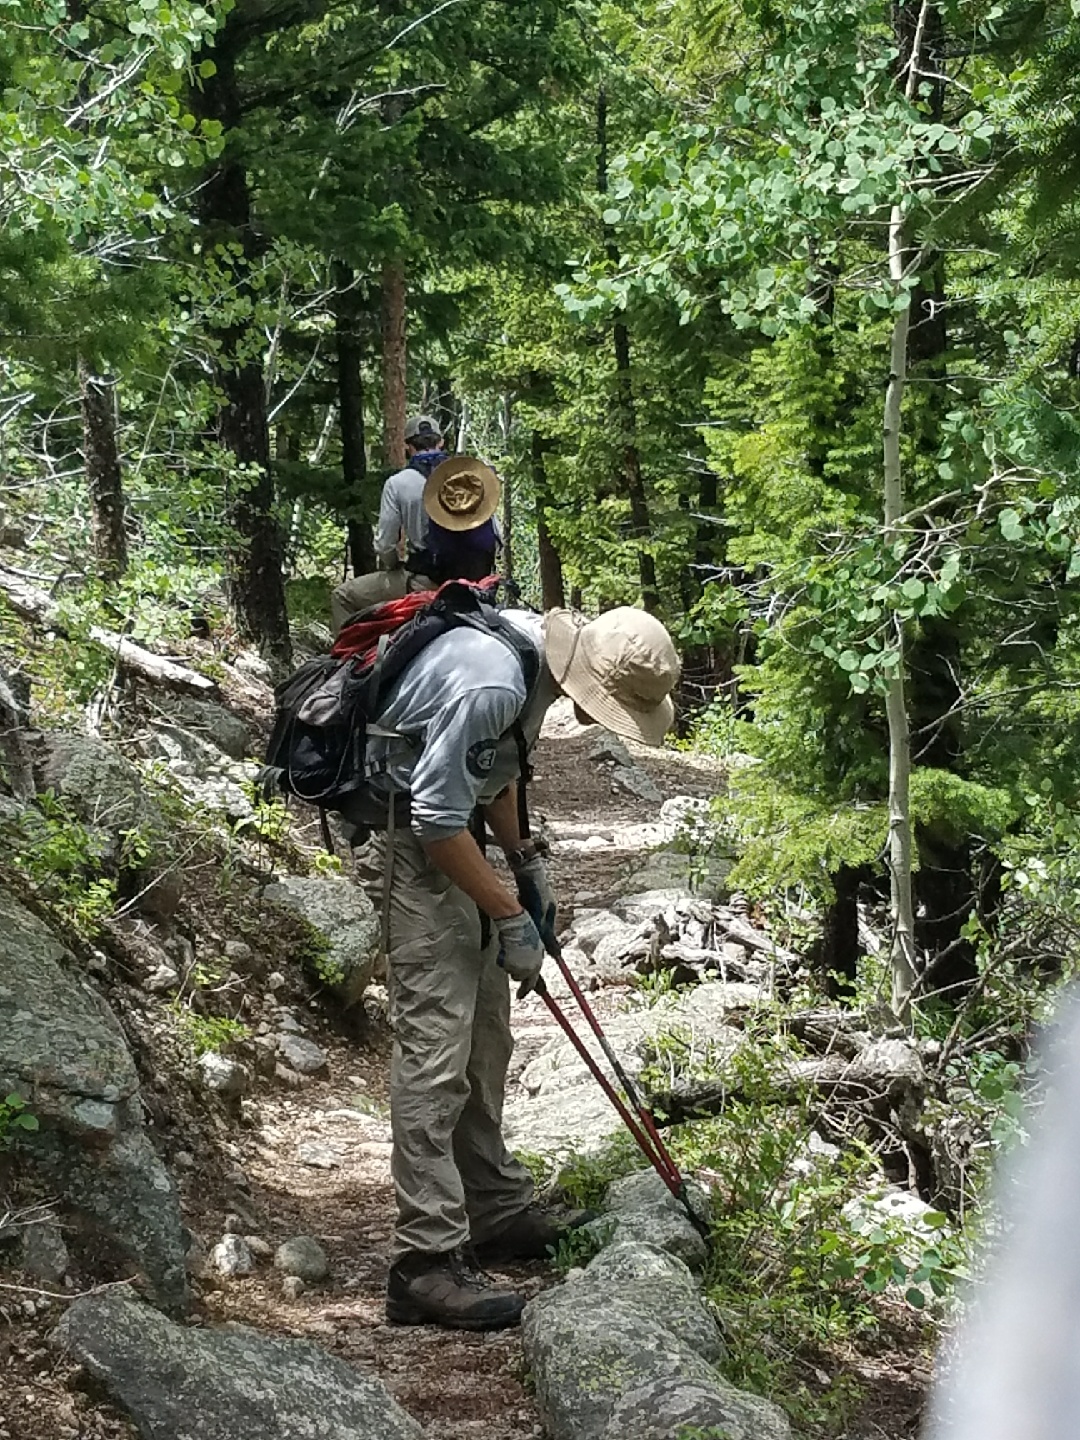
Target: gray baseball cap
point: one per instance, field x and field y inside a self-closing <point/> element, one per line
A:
<point x="422" y="427"/>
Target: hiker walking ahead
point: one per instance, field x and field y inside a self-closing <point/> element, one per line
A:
<point x="456" y="933"/>
<point x="436" y="522"/>
<point x="401" y="534"/>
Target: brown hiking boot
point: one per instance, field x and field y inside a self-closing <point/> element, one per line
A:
<point x="447" y="1289"/>
<point x="529" y="1235"/>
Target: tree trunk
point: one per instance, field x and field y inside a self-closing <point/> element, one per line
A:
<point x="104" y="481"/>
<point x="254" y="582"/>
<point x="506" y="425"/>
<point x="14" y="748"/>
<point x="630" y="476"/>
<point x="350" y="379"/>
<point x="552" y="588"/>
<point x="902" y="947"/>
<point x="839" y="950"/>
<point x="902" y="944"/>
<point x="393" y="363"/>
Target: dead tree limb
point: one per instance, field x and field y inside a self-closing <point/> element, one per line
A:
<point x="34" y="604"/>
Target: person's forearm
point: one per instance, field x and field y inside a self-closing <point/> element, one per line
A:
<point x="501" y="815"/>
<point x="459" y="858"/>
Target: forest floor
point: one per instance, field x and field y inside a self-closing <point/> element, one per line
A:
<point x="316" y="1161"/>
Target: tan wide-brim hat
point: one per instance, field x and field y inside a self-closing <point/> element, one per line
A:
<point x="619" y="668"/>
<point x="461" y="493"/>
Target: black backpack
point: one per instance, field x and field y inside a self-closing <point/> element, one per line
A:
<point x="317" y="745"/>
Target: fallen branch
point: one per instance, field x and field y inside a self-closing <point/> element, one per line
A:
<point x="34" y="604"/>
<point x="882" y="1076"/>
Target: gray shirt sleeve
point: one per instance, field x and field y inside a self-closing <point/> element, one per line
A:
<point x="454" y="767"/>
<point x="388" y="530"/>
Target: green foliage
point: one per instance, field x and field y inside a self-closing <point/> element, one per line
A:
<point x="584" y="1179"/>
<point x="204" y="1034"/>
<point x="314" y="952"/>
<point x="792" y="1271"/>
<point x="716" y="730"/>
<point x="578" y="1247"/>
<point x="15" y="1120"/>
<point x="61" y="860"/>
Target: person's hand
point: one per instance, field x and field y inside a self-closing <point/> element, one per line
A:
<point x="535" y="893"/>
<point x="521" y="951"/>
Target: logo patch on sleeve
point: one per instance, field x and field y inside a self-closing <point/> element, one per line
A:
<point x="479" y="758"/>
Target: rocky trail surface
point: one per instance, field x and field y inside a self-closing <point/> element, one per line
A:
<point x="213" y="1097"/>
<point x="317" y="1161"/>
<point x="309" y="1155"/>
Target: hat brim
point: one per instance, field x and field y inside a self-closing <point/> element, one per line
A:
<point x="461" y="465"/>
<point x="649" y="726"/>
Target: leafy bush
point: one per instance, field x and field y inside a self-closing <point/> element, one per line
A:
<point x="792" y="1270"/>
<point x="15" y="1118"/>
<point x="60" y="859"/>
<point x="206" y="1033"/>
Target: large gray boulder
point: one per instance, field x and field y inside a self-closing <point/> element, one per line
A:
<point x="557" y="1106"/>
<point x="627" y="1348"/>
<point x="642" y="1274"/>
<point x="671" y="1409"/>
<point x="210" y="722"/>
<point x="208" y="775"/>
<point x="632" y="1317"/>
<point x="587" y="1349"/>
<point x="703" y="875"/>
<point x="223" y="1383"/>
<point x="63" y="1051"/>
<point x="344" y="930"/>
<point x="105" y="791"/>
<point x="641" y="1207"/>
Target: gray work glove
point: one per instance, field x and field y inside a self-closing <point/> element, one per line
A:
<point x="535" y="893"/>
<point x="521" y="952"/>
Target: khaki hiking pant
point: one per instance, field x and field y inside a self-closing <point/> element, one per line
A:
<point x="454" y="1178"/>
<point x="360" y="591"/>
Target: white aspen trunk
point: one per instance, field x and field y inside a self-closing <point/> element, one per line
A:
<point x="902" y="947"/>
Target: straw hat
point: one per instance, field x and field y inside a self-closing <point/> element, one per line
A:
<point x="620" y="668"/>
<point x="461" y="493"/>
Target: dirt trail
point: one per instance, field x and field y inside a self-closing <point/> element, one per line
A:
<point x="316" y="1160"/>
<point x="458" y="1386"/>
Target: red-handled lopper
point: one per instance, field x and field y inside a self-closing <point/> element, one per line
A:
<point x="641" y="1124"/>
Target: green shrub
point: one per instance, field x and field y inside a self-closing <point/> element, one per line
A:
<point x="15" y="1119"/>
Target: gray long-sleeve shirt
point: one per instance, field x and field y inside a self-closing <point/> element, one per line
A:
<point x="402" y="509"/>
<point x="451" y="714"/>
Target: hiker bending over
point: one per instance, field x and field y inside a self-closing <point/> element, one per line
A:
<point x="436" y="522"/>
<point x="456" y="933"/>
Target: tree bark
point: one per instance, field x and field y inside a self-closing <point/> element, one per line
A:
<point x="630" y="476"/>
<point x="552" y="588"/>
<point x="506" y="425"/>
<point x="14" y="749"/>
<point x="254" y="555"/>
<point x="350" y="379"/>
<point x="393" y="363"/>
<point x="446" y="412"/>
<point x="104" y="479"/>
<point x="839" y="951"/>
<point x="902" y="944"/>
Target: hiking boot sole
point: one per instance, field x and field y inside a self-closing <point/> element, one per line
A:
<point x="401" y="1312"/>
